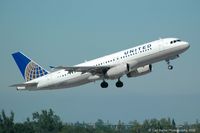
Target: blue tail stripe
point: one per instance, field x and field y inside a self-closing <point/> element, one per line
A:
<point x="21" y="61"/>
<point x="28" y="68"/>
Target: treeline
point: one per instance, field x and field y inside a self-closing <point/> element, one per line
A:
<point x="47" y="121"/>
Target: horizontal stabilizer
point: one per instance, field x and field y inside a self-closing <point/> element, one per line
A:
<point x="28" y="85"/>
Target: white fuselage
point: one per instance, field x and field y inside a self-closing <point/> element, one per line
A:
<point x="141" y="55"/>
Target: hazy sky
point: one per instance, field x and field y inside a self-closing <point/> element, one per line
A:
<point x="68" y="32"/>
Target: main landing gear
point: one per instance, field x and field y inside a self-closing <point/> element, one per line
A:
<point x="118" y="84"/>
<point x="170" y="67"/>
<point x="104" y="84"/>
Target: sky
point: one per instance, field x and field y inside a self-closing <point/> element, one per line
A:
<point x="68" y="32"/>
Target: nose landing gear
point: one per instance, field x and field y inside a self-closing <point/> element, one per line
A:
<point x="170" y="67"/>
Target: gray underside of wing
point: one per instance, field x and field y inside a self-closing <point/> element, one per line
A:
<point x="84" y="69"/>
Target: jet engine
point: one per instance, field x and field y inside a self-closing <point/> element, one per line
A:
<point x="140" y="71"/>
<point x="117" y="71"/>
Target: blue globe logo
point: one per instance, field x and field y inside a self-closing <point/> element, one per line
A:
<point x="33" y="71"/>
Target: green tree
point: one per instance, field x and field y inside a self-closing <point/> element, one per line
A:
<point x="120" y="127"/>
<point x="99" y="123"/>
<point x="6" y="122"/>
<point x="173" y="124"/>
<point x="154" y="124"/>
<point x="26" y="127"/>
<point x="46" y="122"/>
<point x="197" y="126"/>
<point x="165" y="123"/>
<point x="136" y="127"/>
<point x="146" y="126"/>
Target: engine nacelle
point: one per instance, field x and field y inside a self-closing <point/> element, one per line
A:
<point x="117" y="71"/>
<point x="140" y="71"/>
<point x="132" y="65"/>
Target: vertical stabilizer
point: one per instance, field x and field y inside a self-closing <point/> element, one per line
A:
<point x="29" y="69"/>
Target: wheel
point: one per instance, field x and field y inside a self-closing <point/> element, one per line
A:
<point x="170" y="67"/>
<point x="119" y="84"/>
<point x="104" y="84"/>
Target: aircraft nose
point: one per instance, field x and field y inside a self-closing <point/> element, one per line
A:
<point x="186" y="45"/>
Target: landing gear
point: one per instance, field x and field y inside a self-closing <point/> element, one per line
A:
<point x="104" y="84"/>
<point x="119" y="83"/>
<point x="170" y="67"/>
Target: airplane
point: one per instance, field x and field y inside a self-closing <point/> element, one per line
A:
<point x="132" y="62"/>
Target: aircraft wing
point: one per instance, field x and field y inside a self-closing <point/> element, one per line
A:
<point x="95" y="70"/>
<point x="25" y="85"/>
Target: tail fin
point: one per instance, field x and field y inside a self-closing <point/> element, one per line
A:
<point x="29" y="69"/>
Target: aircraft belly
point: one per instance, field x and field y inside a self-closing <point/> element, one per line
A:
<point x="76" y="81"/>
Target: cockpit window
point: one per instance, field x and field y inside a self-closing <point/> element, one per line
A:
<point x="174" y="41"/>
